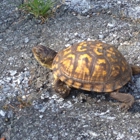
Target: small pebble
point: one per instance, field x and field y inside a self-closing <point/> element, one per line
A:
<point x="12" y="72"/>
<point x="26" y="40"/>
<point x="2" y="113"/>
<point x="43" y="109"/>
<point x="110" y="25"/>
<point x="67" y="45"/>
<point x="101" y="36"/>
<point x="41" y="116"/>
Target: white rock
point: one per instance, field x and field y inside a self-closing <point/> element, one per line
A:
<point x="41" y="116"/>
<point x="120" y="136"/>
<point x="55" y="96"/>
<point x="60" y="100"/>
<point x="93" y="134"/>
<point x="12" y="72"/>
<point x="101" y="36"/>
<point x="26" y="40"/>
<point x="27" y="73"/>
<point x="76" y="34"/>
<point x="67" y="45"/>
<point x="2" y="82"/>
<point x="8" y="79"/>
<point x="118" y="2"/>
<point x="21" y="77"/>
<point x="110" y="25"/>
<point x="2" y="113"/>
<point x="43" y="108"/>
<point x="89" y="39"/>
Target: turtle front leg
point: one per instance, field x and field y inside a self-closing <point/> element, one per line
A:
<point x="126" y="99"/>
<point x="61" y="88"/>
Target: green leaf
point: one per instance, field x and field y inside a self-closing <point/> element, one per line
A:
<point x="38" y="7"/>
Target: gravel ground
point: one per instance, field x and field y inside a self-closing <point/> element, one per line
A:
<point x="29" y="107"/>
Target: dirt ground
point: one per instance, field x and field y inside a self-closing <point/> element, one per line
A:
<point x="30" y="108"/>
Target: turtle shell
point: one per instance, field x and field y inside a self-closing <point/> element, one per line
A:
<point x="92" y="66"/>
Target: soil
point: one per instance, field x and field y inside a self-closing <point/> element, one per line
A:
<point x="29" y="107"/>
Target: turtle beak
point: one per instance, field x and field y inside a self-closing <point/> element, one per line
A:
<point x="35" y="50"/>
<point x="38" y="53"/>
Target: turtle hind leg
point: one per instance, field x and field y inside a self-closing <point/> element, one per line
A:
<point x="135" y="69"/>
<point x="126" y="99"/>
<point x="61" y="88"/>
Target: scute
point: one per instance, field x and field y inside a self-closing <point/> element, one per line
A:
<point x="92" y="66"/>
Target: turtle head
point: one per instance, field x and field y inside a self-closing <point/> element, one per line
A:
<point x="44" y="55"/>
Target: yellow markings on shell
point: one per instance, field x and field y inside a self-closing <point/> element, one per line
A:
<point x="97" y="87"/>
<point x="54" y="66"/>
<point x="115" y="70"/>
<point x="124" y="63"/>
<point x="56" y="59"/>
<point x="108" y="87"/>
<point x="77" y="84"/>
<point x="80" y="47"/>
<point x="109" y="55"/>
<point x="97" y="48"/>
<point x="111" y="59"/>
<point x="69" y="82"/>
<point x="123" y="68"/>
<point x="101" y="61"/>
<point x="83" y="43"/>
<point x="111" y="51"/>
<point x="67" y="51"/>
<point x="67" y="64"/>
<point x="55" y="62"/>
<point x="85" y="56"/>
<point x="104" y="73"/>
<point x="62" y="78"/>
<point x="87" y="86"/>
<point x="100" y="68"/>
<point x="112" y="55"/>
<point x="81" y="72"/>
<point x="71" y="56"/>
<point x="55" y="77"/>
<point x="99" y="45"/>
<point x="99" y="73"/>
<point x="56" y="73"/>
<point x="67" y="67"/>
<point x="83" y="66"/>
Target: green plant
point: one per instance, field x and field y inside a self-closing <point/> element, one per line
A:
<point x="39" y="8"/>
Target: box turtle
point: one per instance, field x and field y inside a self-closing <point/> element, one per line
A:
<point x="89" y="65"/>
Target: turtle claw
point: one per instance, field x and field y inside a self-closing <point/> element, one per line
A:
<point x="63" y="91"/>
<point x="125" y="107"/>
